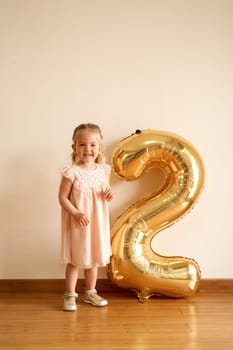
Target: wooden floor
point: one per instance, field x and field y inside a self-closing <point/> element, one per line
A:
<point x="35" y="321"/>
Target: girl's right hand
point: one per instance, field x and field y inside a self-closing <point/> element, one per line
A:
<point x="82" y="219"/>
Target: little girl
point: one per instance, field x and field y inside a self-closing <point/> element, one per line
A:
<point x="83" y="196"/>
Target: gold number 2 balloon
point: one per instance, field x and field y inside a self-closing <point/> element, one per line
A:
<point x="134" y="265"/>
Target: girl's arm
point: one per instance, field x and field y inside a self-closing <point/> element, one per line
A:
<point x="63" y="196"/>
<point x="108" y="194"/>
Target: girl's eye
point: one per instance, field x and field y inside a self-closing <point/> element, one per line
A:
<point x="93" y="145"/>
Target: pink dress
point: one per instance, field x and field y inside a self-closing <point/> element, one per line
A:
<point x="88" y="246"/>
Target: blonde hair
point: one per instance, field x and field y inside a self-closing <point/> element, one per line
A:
<point x="91" y="128"/>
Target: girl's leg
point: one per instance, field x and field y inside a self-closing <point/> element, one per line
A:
<point x="91" y="295"/>
<point x="71" y="279"/>
<point x="90" y="278"/>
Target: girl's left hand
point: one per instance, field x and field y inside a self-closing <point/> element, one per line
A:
<point x="108" y="194"/>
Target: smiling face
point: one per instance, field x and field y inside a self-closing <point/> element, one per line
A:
<point x="87" y="147"/>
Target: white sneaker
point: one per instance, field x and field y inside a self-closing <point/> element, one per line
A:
<point x="70" y="305"/>
<point x="91" y="297"/>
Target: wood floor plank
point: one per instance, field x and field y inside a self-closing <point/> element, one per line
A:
<point x="35" y="321"/>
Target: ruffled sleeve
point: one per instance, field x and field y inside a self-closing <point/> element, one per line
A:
<point x="68" y="172"/>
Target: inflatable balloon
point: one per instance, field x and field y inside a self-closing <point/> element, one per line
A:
<point x="134" y="265"/>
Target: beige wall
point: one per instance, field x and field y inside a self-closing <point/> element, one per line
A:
<point x="126" y="64"/>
